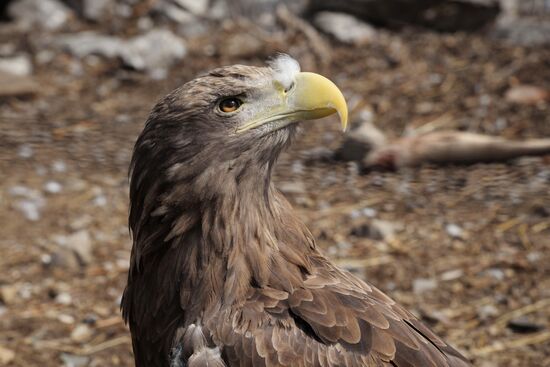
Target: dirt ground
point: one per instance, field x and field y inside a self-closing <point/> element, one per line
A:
<point x="467" y="248"/>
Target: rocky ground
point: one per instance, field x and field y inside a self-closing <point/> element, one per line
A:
<point x="467" y="248"/>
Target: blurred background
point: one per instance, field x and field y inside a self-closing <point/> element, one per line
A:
<point x="466" y="247"/>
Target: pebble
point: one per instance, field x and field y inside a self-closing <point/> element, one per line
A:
<point x="80" y="242"/>
<point x="30" y="209"/>
<point x="345" y="28"/>
<point x="65" y="319"/>
<point x="20" y="65"/>
<point x="25" y="151"/>
<point x="377" y="229"/>
<point x="526" y="94"/>
<point x="134" y="52"/>
<point x="59" y="166"/>
<point x="369" y="212"/>
<point x="71" y="360"/>
<point x="95" y="9"/>
<point x="48" y="14"/>
<point x="452" y="275"/>
<point x="8" y="294"/>
<point x="52" y="187"/>
<point x="497" y="274"/>
<point x="64" y="298"/>
<point x="100" y="200"/>
<point x="487" y="311"/>
<point x="454" y="230"/>
<point x="168" y="47"/>
<point x="421" y="285"/>
<point x="81" y="333"/>
<point x="6" y="356"/>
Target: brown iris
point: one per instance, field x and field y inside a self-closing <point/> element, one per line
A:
<point x="230" y="104"/>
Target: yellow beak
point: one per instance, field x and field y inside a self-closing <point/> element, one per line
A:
<point x="312" y="97"/>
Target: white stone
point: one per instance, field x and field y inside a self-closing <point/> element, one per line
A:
<point x="17" y="65"/>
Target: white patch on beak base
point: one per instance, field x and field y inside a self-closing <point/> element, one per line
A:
<point x="285" y="69"/>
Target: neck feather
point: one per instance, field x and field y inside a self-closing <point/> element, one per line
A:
<point x="222" y="234"/>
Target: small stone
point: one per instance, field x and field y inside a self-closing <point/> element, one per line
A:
<point x="71" y="360"/>
<point x="100" y="200"/>
<point x="168" y="47"/>
<point x="81" y="243"/>
<point x="95" y="9"/>
<point x="25" y="151"/>
<point x="64" y="298"/>
<point x="487" y="311"/>
<point x="81" y="333"/>
<point x="454" y="230"/>
<point x="523" y="325"/>
<point x="345" y="28"/>
<point x="90" y="43"/>
<point x="6" y="356"/>
<point x="496" y="273"/>
<point x="30" y="209"/>
<point x="65" y="319"/>
<point x="422" y="285"/>
<point x="526" y="94"/>
<point x="59" y="166"/>
<point x="369" y="212"/>
<point x="377" y="229"/>
<point x="20" y="65"/>
<point x="452" y="275"/>
<point x="8" y="294"/>
<point x="48" y="14"/>
<point x="53" y="187"/>
<point x="64" y="258"/>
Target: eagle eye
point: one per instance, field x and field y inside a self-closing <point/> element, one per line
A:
<point x="231" y="104"/>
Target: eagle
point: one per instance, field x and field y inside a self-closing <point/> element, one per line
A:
<point x="222" y="271"/>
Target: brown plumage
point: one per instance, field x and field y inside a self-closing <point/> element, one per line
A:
<point x="222" y="271"/>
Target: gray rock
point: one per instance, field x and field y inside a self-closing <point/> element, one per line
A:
<point x="487" y="311"/>
<point x="25" y="150"/>
<point x="47" y="14"/>
<point x="135" y="52"/>
<point x="64" y="298"/>
<point x="95" y="9"/>
<point x="20" y="65"/>
<point x="6" y="356"/>
<point x="454" y="230"/>
<point x="81" y="333"/>
<point x="345" y="28"/>
<point x="90" y="43"/>
<point x="80" y="242"/>
<point x="524" y="22"/>
<point x="452" y="274"/>
<point x="31" y="202"/>
<point x="71" y="360"/>
<point x="53" y="187"/>
<point x="198" y="7"/>
<point x="377" y="229"/>
<point x="168" y="49"/>
<point x="421" y="285"/>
